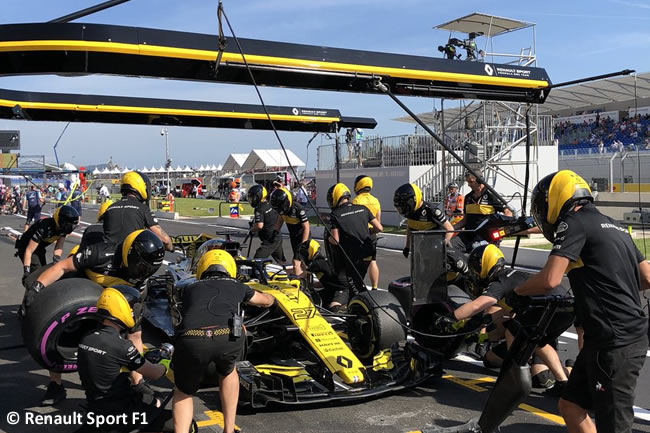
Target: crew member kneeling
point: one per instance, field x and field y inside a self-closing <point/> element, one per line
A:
<point x="208" y="333"/>
<point x="102" y="356"/>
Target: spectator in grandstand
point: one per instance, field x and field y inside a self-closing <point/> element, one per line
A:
<point x="601" y="147"/>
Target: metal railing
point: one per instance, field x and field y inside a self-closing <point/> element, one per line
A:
<point x="393" y="151"/>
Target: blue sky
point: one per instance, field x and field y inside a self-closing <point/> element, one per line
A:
<point x="574" y="39"/>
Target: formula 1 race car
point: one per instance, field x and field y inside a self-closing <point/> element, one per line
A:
<point x="297" y="352"/>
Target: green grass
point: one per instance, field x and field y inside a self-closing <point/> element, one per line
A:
<point x="201" y="207"/>
<point x="637" y="241"/>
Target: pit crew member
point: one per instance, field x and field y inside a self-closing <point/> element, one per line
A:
<point x="492" y="287"/>
<point x="607" y="273"/>
<point x="420" y="214"/>
<point x="103" y="355"/>
<point x="35" y="240"/>
<point x="128" y="264"/>
<point x="335" y="290"/>
<point x="362" y="186"/>
<point x="479" y="205"/>
<point x="132" y="211"/>
<point x="349" y="232"/>
<point x="297" y="223"/>
<point x="210" y="334"/>
<point x="266" y="223"/>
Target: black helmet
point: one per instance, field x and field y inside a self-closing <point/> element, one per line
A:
<point x="118" y="304"/>
<point x="256" y="195"/>
<point x="136" y="183"/>
<point x="66" y="219"/>
<point x="407" y="199"/>
<point x="485" y="262"/>
<point x="142" y="254"/>
<point x="281" y="200"/>
<point x="554" y="196"/>
<point x="336" y="193"/>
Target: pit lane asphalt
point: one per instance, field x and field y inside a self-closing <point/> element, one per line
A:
<point x="447" y="401"/>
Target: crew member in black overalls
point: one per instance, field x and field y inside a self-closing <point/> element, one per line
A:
<point x="420" y="214"/>
<point x="297" y="224"/>
<point x="35" y="240"/>
<point x="607" y="273"/>
<point x="132" y="211"/>
<point x="128" y="264"/>
<point x="103" y="356"/>
<point x="208" y="334"/>
<point x="493" y="287"/>
<point x="266" y="223"/>
<point x="334" y="291"/>
<point x="349" y="234"/>
<point x="94" y="233"/>
<point x="479" y="205"/>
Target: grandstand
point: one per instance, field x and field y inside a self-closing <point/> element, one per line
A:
<point x="602" y="130"/>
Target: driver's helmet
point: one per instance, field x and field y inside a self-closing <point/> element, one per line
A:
<point x="212" y="244"/>
<point x="556" y="195"/>
<point x="485" y="263"/>
<point x="216" y="262"/>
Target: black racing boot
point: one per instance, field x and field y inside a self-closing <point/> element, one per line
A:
<point x="55" y="394"/>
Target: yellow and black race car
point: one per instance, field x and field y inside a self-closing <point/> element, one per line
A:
<point x="298" y="352"/>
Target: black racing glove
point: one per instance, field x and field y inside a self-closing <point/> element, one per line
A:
<point x="406" y="252"/>
<point x="56" y="258"/>
<point x="30" y="295"/>
<point x="517" y="302"/>
<point x="26" y="271"/>
<point x="445" y="323"/>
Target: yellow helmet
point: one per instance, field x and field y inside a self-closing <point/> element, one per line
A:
<point x="137" y="183"/>
<point x="114" y="306"/>
<point x="216" y="261"/>
<point x="314" y="247"/>
<point x="73" y="251"/>
<point x="336" y="193"/>
<point x="554" y="196"/>
<point x="484" y="264"/>
<point x="102" y="209"/>
<point x="362" y="182"/>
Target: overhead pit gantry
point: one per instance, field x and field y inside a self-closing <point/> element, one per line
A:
<point x="148" y="111"/>
<point x="74" y="48"/>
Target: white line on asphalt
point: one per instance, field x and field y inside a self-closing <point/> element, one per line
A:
<point x="641" y="413"/>
<point x="573" y="336"/>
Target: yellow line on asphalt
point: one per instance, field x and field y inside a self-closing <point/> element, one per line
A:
<point x="473" y="385"/>
<point x="216" y="418"/>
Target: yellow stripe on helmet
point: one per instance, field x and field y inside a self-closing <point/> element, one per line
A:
<point x="491" y="256"/>
<point x="126" y="247"/>
<point x="418" y="196"/>
<point x="565" y="185"/>
<point x="114" y="303"/>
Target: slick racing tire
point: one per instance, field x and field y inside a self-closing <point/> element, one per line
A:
<point x="57" y="319"/>
<point x="379" y="323"/>
<point x="423" y="323"/>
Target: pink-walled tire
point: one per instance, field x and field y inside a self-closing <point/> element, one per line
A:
<point x="57" y="319"/>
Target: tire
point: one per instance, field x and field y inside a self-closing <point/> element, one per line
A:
<point x="380" y="323"/>
<point x="57" y="319"/>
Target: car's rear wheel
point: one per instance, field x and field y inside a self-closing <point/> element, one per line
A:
<point x="379" y="323"/>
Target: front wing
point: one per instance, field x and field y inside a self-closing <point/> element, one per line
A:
<point x="404" y="365"/>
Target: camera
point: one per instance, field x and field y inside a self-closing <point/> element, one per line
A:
<point x="469" y="45"/>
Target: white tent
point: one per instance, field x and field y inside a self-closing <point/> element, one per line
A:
<point x="202" y="168"/>
<point x="235" y="162"/>
<point x="96" y="171"/>
<point x="187" y="168"/>
<point x="270" y="159"/>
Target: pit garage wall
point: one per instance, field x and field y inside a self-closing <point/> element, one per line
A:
<point x="386" y="180"/>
